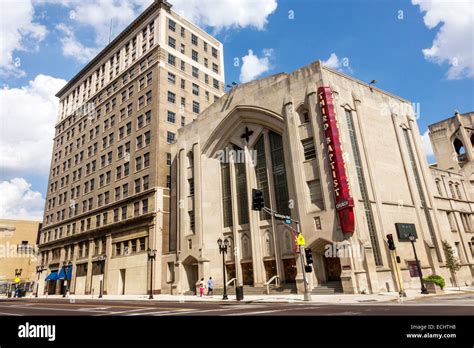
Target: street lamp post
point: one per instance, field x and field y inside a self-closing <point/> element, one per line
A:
<point x="39" y="270"/>
<point x="223" y="250"/>
<point x="151" y="258"/>
<point x="412" y="239"/>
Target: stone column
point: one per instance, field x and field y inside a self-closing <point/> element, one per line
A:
<point x="108" y="256"/>
<point x="235" y="223"/>
<point x="90" y="247"/>
<point x="72" y="285"/>
<point x="254" y="223"/>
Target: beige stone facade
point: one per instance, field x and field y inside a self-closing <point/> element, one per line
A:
<point x="18" y="243"/>
<point x="277" y="121"/>
<point x="108" y="190"/>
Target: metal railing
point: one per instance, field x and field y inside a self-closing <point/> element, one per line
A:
<point x="233" y="280"/>
<point x="271" y="280"/>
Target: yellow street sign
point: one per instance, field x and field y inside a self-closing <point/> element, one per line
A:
<point x="17" y="280"/>
<point x="300" y="240"/>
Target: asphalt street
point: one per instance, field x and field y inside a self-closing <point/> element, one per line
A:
<point x="436" y="306"/>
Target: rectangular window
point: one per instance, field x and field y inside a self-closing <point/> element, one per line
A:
<point x="168" y="158"/>
<point x="138" y="164"/>
<point x="171" y="59"/>
<point x="170" y="136"/>
<point x="146" y="182"/>
<point x="194" y="39"/>
<point x="195" y="72"/>
<point x="171" y="42"/>
<point x="171" y="25"/>
<point x="196" y="108"/>
<point x="146" y="160"/>
<point x="183" y="121"/>
<point x="171" y="117"/>
<point x="171" y="97"/>
<point x="124" y="212"/>
<point x="308" y="149"/>
<point x="214" y="52"/>
<point x="171" y="78"/>
<point x="195" y="89"/>
<point x="136" y="208"/>
<point x="315" y="193"/>
<point x="194" y="55"/>
<point x="144" y="206"/>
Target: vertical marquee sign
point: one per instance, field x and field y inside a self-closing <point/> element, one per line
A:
<point x="342" y="193"/>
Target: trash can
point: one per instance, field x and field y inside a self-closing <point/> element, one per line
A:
<point x="21" y="293"/>
<point x="239" y="293"/>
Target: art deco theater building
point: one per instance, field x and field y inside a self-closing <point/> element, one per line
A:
<point x="142" y="173"/>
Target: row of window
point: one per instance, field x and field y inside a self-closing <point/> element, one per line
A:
<point x="194" y="71"/>
<point x="194" y="39"/>
<point x="119" y="214"/>
<point x="128" y="54"/>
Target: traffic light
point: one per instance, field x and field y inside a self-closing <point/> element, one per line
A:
<point x="390" y="242"/>
<point x="309" y="256"/>
<point x="257" y="199"/>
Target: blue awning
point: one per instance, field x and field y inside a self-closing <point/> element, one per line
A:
<point x="69" y="272"/>
<point x="62" y="273"/>
<point x="52" y="276"/>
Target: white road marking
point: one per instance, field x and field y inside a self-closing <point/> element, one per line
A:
<point x="262" y="312"/>
<point x="14" y="314"/>
<point x="51" y="309"/>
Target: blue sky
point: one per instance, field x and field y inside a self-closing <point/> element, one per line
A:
<point x="421" y="50"/>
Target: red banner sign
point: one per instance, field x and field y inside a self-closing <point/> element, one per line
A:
<point x="342" y="194"/>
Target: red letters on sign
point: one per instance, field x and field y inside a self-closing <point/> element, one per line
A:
<point x="342" y="194"/>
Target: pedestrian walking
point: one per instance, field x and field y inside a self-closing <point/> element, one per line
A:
<point x="210" y="287"/>
<point x="201" y="287"/>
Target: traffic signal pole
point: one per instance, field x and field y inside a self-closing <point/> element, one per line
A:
<point x="258" y="204"/>
<point x="307" y="295"/>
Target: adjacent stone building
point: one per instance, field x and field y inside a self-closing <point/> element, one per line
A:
<point x="108" y="191"/>
<point x="18" y="251"/>
<point x="342" y="157"/>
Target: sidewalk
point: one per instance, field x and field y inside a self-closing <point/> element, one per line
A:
<point x="292" y="298"/>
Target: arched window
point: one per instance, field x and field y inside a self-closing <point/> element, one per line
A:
<point x="303" y="115"/>
<point x="451" y="189"/>
<point x="288" y="242"/>
<point x="245" y="247"/>
<point x="226" y="195"/>
<point x="241" y="183"/>
<point x="190" y="157"/>
<point x="458" y="191"/>
<point x="459" y="147"/>
<point x="438" y="186"/>
<point x="268" y="242"/>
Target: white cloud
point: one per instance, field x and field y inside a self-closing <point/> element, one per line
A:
<point x="73" y="48"/>
<point x="27" y="118"/>
<point x="225" y="14"/>
<point x="18" y="32"/>
<point x="425" y="139"/>
<point x="455" y="37"/>
<point x="332" y="62"/>
<point x="335" y="63"/>
<point x="99" y="14"/>
<point x="253" y="66"/>
<point x="18" y="201"/>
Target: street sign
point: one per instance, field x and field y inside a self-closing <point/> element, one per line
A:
<point x="404" y="230"/>
<point x="300" y="240"/>
<point x="282" y="217"/>
<point x="17" y="280"/>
